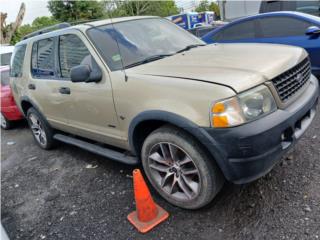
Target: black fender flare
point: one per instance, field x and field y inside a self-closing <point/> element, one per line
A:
<point x="208" y="142"/>
<point x="27" y="99"/>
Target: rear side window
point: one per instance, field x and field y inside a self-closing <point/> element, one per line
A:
<point x="5" y="78"/>
<point x="72" y="52"/>
<point x="17" y="61"/>
<point x="282" y="27"/>
<point x="43" y="58"/>
<point x="239" y="31"/>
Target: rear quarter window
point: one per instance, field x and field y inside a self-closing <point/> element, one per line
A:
<point x="282" y="27"/>
<point x="17" y="61"/>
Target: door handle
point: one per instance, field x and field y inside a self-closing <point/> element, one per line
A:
<point x="32" y="86"/>
<point x="64" y="90"/>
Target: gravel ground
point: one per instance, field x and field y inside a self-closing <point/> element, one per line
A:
<point x="68" y="193"/>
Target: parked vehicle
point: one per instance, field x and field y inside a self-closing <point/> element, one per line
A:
<point x="231" y="10"/>
<point x="9" y="110"/>
<point x="291" y="28"/>
<point x="144" y="85"/>
<point x="202" y="30"/>
<point x="186" y="20"/>
<point x="206" y="17"/>
<point x="5" y="54"/>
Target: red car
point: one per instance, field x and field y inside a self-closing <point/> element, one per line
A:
<point x="9" y="110"/>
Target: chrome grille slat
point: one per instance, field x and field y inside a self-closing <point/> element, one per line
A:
<point x="287" y="84"/>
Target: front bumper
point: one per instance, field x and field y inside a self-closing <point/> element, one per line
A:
<point x="250" y="151"/>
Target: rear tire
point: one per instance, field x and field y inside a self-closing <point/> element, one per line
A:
<point x="5" y="123"/>
<point x="180" y="169"/>
<point x="41" y="130"/>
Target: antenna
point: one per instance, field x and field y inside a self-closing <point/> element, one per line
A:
<point x="123" y="69"/>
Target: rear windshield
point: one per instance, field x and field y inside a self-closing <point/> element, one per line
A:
<point x="5" y="78"/>
<point x="5" y="59"/>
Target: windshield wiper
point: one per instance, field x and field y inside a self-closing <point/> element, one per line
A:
<point x="187" y="48"/>
<point x="147" y="60"/>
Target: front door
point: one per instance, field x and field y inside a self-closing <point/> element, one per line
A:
<point x="90" y="109"/>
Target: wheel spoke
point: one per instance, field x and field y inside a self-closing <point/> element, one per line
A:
<point x="185" y="160"/>
<point x="191" y="184"/>
<point x="189" y="171"/>
<point x="164" y="180"/>
<point x="184" y="188"/>
<point x="157" y="158"/>
<point x="165" y="151"/>
<point x="34" y="120"/>
<point x="174" y="181"/>
<point x="159" y="168"/>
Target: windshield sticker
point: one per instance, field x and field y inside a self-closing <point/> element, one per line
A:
<point x="116" y="57"/>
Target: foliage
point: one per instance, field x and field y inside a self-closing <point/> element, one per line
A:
<point x="38" y="23"/>
<point x="204" y="5"/>
<point x="71" y="11"/>
<point x="137" y="8"/>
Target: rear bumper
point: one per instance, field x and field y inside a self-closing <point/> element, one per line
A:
<point x="11" y="113"/>
<point x="250" y="151"/>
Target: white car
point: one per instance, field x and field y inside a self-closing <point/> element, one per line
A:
<point x="5" y="54"/>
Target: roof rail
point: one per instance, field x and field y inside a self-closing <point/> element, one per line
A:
<point x="48" y="29"/>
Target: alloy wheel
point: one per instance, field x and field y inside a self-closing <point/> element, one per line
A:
<point x="37" y="129"/>
<point x="174" y="171"/>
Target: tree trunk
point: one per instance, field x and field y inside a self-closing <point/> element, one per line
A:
<point x="8" y="31"/>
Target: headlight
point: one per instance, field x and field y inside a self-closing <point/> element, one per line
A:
<point x="245" y="107"/>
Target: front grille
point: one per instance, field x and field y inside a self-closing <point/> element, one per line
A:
<point x="291" y="81"/>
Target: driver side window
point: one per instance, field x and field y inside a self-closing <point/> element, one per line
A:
<point x="72" y="52"/>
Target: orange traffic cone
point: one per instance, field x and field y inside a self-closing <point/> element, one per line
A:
<point x="148" y="214"/>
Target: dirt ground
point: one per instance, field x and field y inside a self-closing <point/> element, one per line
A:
<point x="68" y="193"/>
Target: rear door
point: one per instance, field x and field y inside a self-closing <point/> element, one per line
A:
<point x="44" y="82"/>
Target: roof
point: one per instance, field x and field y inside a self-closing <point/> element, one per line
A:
<point x="282" y="13"/>
<point x="116" y="20"/>
<point x="86" y="25"/>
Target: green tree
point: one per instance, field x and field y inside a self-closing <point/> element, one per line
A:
<point x="214" y="7"/>
<point x="70" y="11"/>
<point x="118" y="8"/>
<point x="38" y="23"/>
<point x="204" y="5"/>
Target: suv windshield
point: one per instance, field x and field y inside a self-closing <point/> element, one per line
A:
<point x="140" y="41"/>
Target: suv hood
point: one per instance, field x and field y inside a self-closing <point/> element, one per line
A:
<point x="238" y="66"/>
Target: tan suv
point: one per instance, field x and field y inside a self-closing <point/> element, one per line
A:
<point x="142" y="89"/>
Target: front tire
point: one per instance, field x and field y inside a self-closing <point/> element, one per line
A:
<point x="179" y="169"/>
<point x="41" y="131"/>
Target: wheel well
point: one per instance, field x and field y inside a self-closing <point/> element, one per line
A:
<point x="142" y="131"/>
<point x="25" y="105"/>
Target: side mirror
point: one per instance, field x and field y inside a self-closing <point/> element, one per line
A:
<point x="313" y="30"/>
<point x="83" y="73"/>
